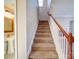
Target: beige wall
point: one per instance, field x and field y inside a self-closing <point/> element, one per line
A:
<point x="21" y="28"/>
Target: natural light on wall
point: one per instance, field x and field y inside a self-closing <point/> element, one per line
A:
<point x="40" y="3"/>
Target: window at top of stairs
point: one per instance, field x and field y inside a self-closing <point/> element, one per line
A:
<point x="40" y="3"/>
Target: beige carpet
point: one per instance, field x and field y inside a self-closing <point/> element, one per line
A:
<point x="43" y="46"/>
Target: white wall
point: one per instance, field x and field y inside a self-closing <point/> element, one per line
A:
<point x="32" y="23"/>
<point x="63" y="8"/>
<point x="21" y="28"/>
<point x="63" y="11"/>
<point x="26" y="26"/>
<point x="43" y="11"/>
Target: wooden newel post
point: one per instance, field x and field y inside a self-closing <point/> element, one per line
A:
<point x="70" y="46"/>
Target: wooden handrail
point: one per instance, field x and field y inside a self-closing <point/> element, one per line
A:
<point x="61" y="28"/>
<point x="69" y="37"/>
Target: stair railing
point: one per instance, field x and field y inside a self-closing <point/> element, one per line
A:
<point x="69" y="37"/>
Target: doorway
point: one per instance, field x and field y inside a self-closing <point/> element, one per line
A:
<point x="9" y="29"/>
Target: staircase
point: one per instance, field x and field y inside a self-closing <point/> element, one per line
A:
<point x="43" y="46"/>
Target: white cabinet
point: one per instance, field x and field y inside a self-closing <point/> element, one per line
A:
<point x="9" y="45"/>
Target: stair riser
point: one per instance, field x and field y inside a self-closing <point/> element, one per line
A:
<point x="42" y="41"/>
<point x="43" y="25"/>
<point x="43" y="58"/>
<point x="43" y="31"/>
<point x="43" y="28"/>
<point x="43" y="49"/>
<point x="42" y="36"/>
